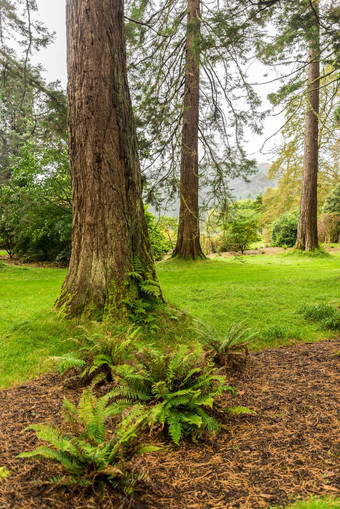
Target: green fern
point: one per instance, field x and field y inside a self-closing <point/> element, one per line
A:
<point x="87" y="456"/>
<point x="98" y="357"/>
<point x="149" y="295"/>
<point x="174" y="390"/>
<point x="69" y="361"/>
<point x="234" y="343"/>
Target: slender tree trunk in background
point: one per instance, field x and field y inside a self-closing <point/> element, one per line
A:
<point x="109" y="228"/>
<point x="188" y="240"/>
<point x="307" y="236"/>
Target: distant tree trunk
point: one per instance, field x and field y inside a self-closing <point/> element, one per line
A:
<point x="109" y="229"/>
<point x="188" y="240"/>
<point x="307" y="235"/>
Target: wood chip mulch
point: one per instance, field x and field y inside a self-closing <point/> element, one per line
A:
<point x="289" y="450"/>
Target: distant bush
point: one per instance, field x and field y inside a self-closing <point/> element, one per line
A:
<point x="329" y="227"/>
<point x="284" y="230"/>
<point x="328" y="316"/>
<point x="243" y="229"/>
<point x="332" y="202"/>
<point x="160" y="243"/>
<point x="35" y="206"/>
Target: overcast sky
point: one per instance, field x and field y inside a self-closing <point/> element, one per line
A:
<point x="53" y="59"/>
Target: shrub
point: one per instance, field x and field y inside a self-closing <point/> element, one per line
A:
<point x="176" y="389"/>
<point x="332" y="202"/>
<point x="284" y="230"/>
<point x="243" y="229"/>
<point x="329" y="227"/>
<point x="88" y="457"/>
<point x="328" y="316"/>
<point x="35" y="206"/>
<point x="160" y="244"/>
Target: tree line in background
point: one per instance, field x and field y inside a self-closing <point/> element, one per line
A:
<point x="186" y="62"/>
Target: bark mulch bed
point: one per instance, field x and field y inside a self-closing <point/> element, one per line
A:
<point x="289" y="449"/>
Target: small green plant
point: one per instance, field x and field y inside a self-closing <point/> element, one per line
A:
<point x="98" y="357"/>
<point x="328" y="316"/>
<point x="88" y="457"/>
<point x="4" y="473"/>
<point x="234" y="345"/>
<point x="177" y="390"/>
<point x="150" y="296"/>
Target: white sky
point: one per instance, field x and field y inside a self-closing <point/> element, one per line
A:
<point x="53" y="59"/>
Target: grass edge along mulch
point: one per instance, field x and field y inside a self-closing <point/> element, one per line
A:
<point x="288" y="451"/>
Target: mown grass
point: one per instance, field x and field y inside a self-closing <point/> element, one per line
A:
<point x="264" y="291"/>
<point x="30" y="331"/>
<point x="315" y="503"/>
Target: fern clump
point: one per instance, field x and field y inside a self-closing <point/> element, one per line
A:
<point x="97" y="359"/>
<point x="150" y="295"/>
<point x="88" y="457"/>
<point x="233" y="348"/>
<point x="175" y="391"/>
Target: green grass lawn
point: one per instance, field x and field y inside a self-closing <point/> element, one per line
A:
<point x="314" y="503"/>
<point x="265" y="291"/>
<point x="30" y="331"/>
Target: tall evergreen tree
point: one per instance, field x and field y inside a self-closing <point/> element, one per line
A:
<point x="302" y="29"/>
<point x="29" y="108"/>
<point x="111" y="261"/>
<point x="186" y="78"/>
<point x="287" y="168"/>
<point x="188" y="238"/>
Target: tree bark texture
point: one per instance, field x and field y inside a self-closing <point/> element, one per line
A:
<point x="109" y="229"/>
<point x="188" y="240"/>
<point x="307" y="235"/>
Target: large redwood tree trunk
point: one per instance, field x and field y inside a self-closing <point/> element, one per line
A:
<point x="307" y="236"/>
<point x="109" y="229"/>
<point x="188" y="240"/>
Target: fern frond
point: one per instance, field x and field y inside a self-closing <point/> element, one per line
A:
<point x="175" y="428"/>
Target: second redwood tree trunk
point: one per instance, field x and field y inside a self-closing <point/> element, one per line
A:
<point x="188" y="240"/>
<point x="307" y="236"/>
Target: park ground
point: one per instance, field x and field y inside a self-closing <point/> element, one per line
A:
<point x="287" y="451"/>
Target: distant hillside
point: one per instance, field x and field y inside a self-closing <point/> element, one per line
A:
<point x="240" y="189"/>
